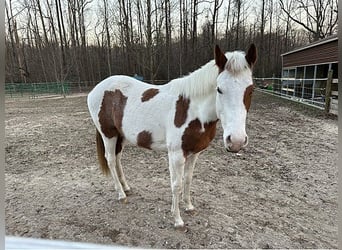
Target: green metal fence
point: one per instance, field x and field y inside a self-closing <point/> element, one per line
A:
<point x="37" y="89"/>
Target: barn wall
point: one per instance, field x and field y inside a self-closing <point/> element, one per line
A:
<point x="320" y="54"/>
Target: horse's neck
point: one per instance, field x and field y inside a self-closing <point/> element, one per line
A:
<point x="205" y="107"/>
<point x="200" y="88"/>
<point x="199" y="83"/>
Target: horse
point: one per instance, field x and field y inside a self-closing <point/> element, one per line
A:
<point x="179" y="117"/>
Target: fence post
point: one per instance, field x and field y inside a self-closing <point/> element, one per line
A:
<point x="328" y="91"/>
<point x="63" y="90"/>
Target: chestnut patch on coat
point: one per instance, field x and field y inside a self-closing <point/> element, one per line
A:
<point x="111" y="113"/>
<point x="247" y="97"/>
<point x="144" y="139"/>
<point x="182" y="106"/>
<point x="197" y="136"/>
<point x="148" y="94"/>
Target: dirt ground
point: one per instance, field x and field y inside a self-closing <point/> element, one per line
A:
<point x="280" y="192"/>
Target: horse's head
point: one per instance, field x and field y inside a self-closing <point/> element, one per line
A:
<point x="234" y="92"/>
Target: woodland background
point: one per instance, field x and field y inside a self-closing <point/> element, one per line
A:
<point x="88" y="40"/>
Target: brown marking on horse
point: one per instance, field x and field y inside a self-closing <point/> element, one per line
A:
<point x="148" y="94"/>
<point x="144" y="139"/>
<point x="182" y="106"/>
<point x="197" y="136"/>
<point x="111" y="113"/>
<point x="247" y="97"/>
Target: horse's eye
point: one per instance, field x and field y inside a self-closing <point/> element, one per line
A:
<point x="218" y="90"/>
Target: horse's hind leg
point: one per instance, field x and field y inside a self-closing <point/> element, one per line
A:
<point x="118" y="166"/>
<point x="188" y="172"/>
<point x="110" y="154"/>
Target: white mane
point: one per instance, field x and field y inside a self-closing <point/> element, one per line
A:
<point x="198" y="83"/>
<point x="203" y="80"/>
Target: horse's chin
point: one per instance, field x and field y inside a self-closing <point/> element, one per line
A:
<point x="233" y="150"/>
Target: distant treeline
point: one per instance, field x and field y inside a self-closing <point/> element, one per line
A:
<point x="84" y="40"/>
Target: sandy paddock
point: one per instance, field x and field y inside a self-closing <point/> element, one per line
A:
<point x="280" y="192"/>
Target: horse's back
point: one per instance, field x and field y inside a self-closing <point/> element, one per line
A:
<point x="141" y="110"/>
<point x="120" y="83"/>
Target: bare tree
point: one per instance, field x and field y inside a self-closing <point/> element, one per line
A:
<point x="318" y="17"/>
<point x="228" y="26"/>
<point x="217" y="6"/>
<point x="10" y="31"/>
<point x="159" y="39"/>
<point x="262" y="31"/>
<point x="168" y="35"/>
<point x="149" y="39"/>
<point x="62" y="40"/>
<point x="106" y="27"/>
<point x="194" y="7"/>
<point x="238" y="4"/>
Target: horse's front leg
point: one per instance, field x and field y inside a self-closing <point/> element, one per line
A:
<point x="188" y="172"/>
<point x="176" y="167"/>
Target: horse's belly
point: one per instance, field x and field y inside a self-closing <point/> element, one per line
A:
<point x="146" y="136"/>
<point x="146" y="115"/>
<point x="145" y="127"/>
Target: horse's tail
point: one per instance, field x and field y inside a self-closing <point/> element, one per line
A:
<point x="101" y="154"/>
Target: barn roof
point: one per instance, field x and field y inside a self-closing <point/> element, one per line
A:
<point x="319" y="42"/>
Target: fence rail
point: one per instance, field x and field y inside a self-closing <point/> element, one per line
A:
<point x="35" y="90"/>
<point x="312" y="92"/>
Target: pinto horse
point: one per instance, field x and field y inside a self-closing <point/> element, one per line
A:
<point x="179" y="117"/>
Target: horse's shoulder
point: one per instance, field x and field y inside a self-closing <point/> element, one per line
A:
<point x="198" y="135"/>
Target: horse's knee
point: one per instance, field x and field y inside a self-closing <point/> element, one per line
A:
<point x="177" y="187"/>
<point x="178" y="162"/>
<point x="177" y="182"/>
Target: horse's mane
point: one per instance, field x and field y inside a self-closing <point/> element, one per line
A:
<point x="203" y="80"/>
<point x="197" y="83"/>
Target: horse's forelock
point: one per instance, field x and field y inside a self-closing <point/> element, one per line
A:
<point x="236" y="62"/>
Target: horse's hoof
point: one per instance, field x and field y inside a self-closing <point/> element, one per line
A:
<point x="123" y="200"/>
<point x="191" y="212"/>
<point x="128" y="192"/>
<point x="181" y="228"/>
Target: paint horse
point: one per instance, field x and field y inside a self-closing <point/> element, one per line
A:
<point x="179" y="117"/>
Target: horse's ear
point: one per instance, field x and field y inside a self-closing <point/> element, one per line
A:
<point x="220" y="58"/>
<point x="251" y="55"/>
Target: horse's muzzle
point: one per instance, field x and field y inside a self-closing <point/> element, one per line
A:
<point x="235" y="146"/>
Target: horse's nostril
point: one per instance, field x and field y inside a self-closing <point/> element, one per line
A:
<point x="246" y="141"/>
<point x="229" y="139"/>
